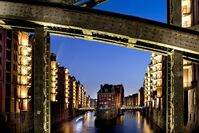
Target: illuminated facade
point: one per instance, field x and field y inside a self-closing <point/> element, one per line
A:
<point x="110" y="96"/>
<point x="187" y="14"/>
<point x="141" y="97"/>
<point x="78" y="94"/>
<point x="88" y="101"/>
<point x="190" y="16"/>
<point x="158" y="81"/>
<point x="8" y="71"/>
<point x="15" y="71"/>
<point x="148" y="86"/>
<point x="84" y="99"/>
<point x="131" y="100"/>
<point x="119" y="95"/>
<point x="183" y="13"/>
<point x="24" y="70"/>
<point x="67" y="74"/>
<point x="72" y="101"/>
<point x="54" y="77"/>
<point x="15" y="81"/>
<point x="59" y="109"/>
<point x="83" y="95"/>
<point x="154" y="89"/>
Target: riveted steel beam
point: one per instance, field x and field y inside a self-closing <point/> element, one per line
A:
<point x="92" y="3"/>
<point x="41" y="81"/>
<point x="68" y="2"/>
<point x="102" y="26"/>
<point x="178" y="92"/>
<point x="175" y="93"/>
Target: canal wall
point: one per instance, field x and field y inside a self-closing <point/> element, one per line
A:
<point x="192" y="116"/>
<point x="156" y="114"/>
<point x="16" y="122"/>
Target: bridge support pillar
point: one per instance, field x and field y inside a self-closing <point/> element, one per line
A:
<point x="175" y="94"/>
<point x="41" y="81"/>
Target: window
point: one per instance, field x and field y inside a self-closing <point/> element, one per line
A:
<point x="8" y="66"/>
<point x="8" y="77"/>
<point x="186" y="6"/>
<point x="9" y="44"/>
<point x="194" y="97"/>
<point x="8" y="55"/>
<point x="186" y="9"/>
<point x="186" y="21"/>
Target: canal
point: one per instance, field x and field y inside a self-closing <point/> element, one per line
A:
<point x="130" y="122"/>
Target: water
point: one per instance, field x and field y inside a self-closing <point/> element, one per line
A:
<point x="130" y="122"/>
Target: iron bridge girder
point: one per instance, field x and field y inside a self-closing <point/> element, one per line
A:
<point x="102" y="26"/>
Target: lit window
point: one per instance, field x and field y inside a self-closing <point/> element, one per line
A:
<point x="194" y="97"/>
<point x="186" y="6"/>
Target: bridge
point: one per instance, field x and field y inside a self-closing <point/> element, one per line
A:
<point x="87" y="109"/>
<point x="131" y="32"/>
<point x="132" y="107"/>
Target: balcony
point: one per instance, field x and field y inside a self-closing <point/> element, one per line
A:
<point x="187" y="84"/>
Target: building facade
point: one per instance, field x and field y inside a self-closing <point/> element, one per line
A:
<point x="72" y="96"/>
<point x="185" y="13"/>
<point x="15" y="81"/>
<point x="141" y="97"/>
<point x="110" y="96"/>
<point x="131" y="100"/>
<point x="155" y="89"/>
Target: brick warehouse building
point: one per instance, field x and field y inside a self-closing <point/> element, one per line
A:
<point x="15" y="81"/>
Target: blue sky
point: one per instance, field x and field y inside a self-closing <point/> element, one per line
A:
<point x="96" y="63"/>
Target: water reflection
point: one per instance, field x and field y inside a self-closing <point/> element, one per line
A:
<point x="130" y="122"/>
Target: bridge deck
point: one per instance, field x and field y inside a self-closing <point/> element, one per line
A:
<point x="90" y="24"/>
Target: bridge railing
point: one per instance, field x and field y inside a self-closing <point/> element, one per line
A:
<point x="131" y="107"/>
<point x="91" y="108"/>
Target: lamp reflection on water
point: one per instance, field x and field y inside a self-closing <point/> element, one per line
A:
<point x="130" y="122"/>
<point x="79" y="124"/>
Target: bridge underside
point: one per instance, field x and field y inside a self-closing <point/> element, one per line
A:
<point x="123" y="30"/>
<point x="89" y="24"/>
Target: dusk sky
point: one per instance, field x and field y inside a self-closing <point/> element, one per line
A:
<point x="94" y="63"/>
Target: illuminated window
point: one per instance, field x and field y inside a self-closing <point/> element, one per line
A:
<point x="186" y="6"/>
<point x="187" y="76"/>
<point x="186" y="13"/>
<point x="186" y="9"/>
<point x="194" y="97"/>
